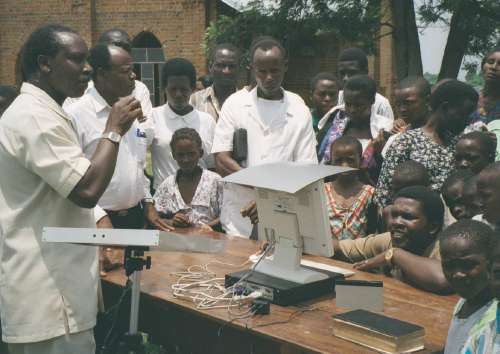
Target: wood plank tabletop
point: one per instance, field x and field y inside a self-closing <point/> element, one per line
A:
<point x="307" y="326"/>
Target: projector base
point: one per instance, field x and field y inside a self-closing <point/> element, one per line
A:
<point x="283" y="292"/>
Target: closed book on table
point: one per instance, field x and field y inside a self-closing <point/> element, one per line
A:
<point x="381" y="333"/>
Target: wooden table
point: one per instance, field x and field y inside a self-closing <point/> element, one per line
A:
<point x="306" y="328"/>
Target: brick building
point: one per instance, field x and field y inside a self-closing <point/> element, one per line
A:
<point x="171" y="27"/>
<point x="163" y="29"/>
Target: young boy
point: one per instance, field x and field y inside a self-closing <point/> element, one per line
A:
<point x="464" y="248"/>
<point x="484" y="337"/>
<point x="475" y="151"/>
<point x="412" y="104"/>
<point x="453" y="192"/>
<point x="357" y="119"/>
<point x="324" y="92"/>
<point x="488" y="189"/>
<point x="352" y="62"/>
<point x="407" y="174"/>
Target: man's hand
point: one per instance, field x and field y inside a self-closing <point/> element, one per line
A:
<point x="181" y="220"/>
<point x="379" y="142"/>
<point x="399" y="126"/>
<point x="123" y="113"/>
<point x="206" y="227"/>
<point x="153" y="219"/>
<point x="375" y="262"/>
<point x="251" y="211"/>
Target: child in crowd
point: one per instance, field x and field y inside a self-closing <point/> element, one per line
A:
<point x="357" y="120"/>
<point x="464" y="248"/>
<point x="433" y="145"/>
<point x="488" y="190"/>
<point x="324" y="91"/>
<point x="484" y="337"/>
<point x="454" y="192"/>
<point x="407" y="174"/>
<point x="192" y="196"/>
<point x="475" y="151"/>
<point x="350" y="208"/>
<point x="178" y="80"/>
<point x="412" y="104"/>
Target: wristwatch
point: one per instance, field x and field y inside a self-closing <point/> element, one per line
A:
<point x="148" y="200"/>
<point x="113" y="136"/>
<point x="388" y="256"/>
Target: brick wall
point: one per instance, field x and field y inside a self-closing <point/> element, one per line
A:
<point x="178" y="24"/>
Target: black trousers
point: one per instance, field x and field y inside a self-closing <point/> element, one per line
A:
<point x="132" y="218"/>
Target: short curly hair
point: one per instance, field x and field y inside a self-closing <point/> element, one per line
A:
<point x="43" y="41"/>
<point x="178" y="67"/>
<point x="186" y="134"/>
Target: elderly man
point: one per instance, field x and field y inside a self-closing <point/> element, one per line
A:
<point x="224" y="70"/>
<point x="121" y="39"/>
<point x="278" y="125"/>
<point x="127" y="198"/>
<point x="48" y="291"/>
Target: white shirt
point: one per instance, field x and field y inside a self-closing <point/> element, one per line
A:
<point x="141" y="93"/>
<point x="166" y="122"/>
<point x="46" y="289"/>
<point x="382" y="106"/>
<point x="128" y="185"/>
<point x="276" y="131"/>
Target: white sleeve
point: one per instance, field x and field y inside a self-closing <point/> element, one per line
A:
<point x="99" y="213"/>
<point x="210" y="131"/>
<point x="225" y="128"/>
<point x="384" y="107"/>
<point x="141" y="92"/>
<point x="305" y="151"/>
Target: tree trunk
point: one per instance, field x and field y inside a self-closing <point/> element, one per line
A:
<point x="406" y="41"/>
<point x="457" y="42"/>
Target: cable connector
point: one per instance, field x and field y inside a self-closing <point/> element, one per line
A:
<point x="261" y="307"/>
<point x="252" y="295"/>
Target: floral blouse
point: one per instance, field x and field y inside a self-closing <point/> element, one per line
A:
<point x="349" y="223"/>
<point x="415" y="145"/>
<point x="207" y="200"/>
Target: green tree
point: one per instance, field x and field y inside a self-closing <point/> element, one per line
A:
<point x="474" y="29"/>
<point x="298" y="22"/>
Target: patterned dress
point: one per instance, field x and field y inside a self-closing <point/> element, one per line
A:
<point x="349" y="223"/>
<point x="205" y="206"/>
<point x="415" y="145"/>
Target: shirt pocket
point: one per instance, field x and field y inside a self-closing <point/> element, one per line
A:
<point x="141" y="149"/>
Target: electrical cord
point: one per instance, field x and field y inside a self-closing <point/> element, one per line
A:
<point x="201" y="285"/>
<point x="114" y="310"/>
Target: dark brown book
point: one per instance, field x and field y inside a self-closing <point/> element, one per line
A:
<point x="381" y="333"/>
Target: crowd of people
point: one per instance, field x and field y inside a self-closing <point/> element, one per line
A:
<point x="421" y="205"/>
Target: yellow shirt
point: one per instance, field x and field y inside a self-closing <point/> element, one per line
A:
<point x="372" y="245"/>
<point x="46" y="289"/>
